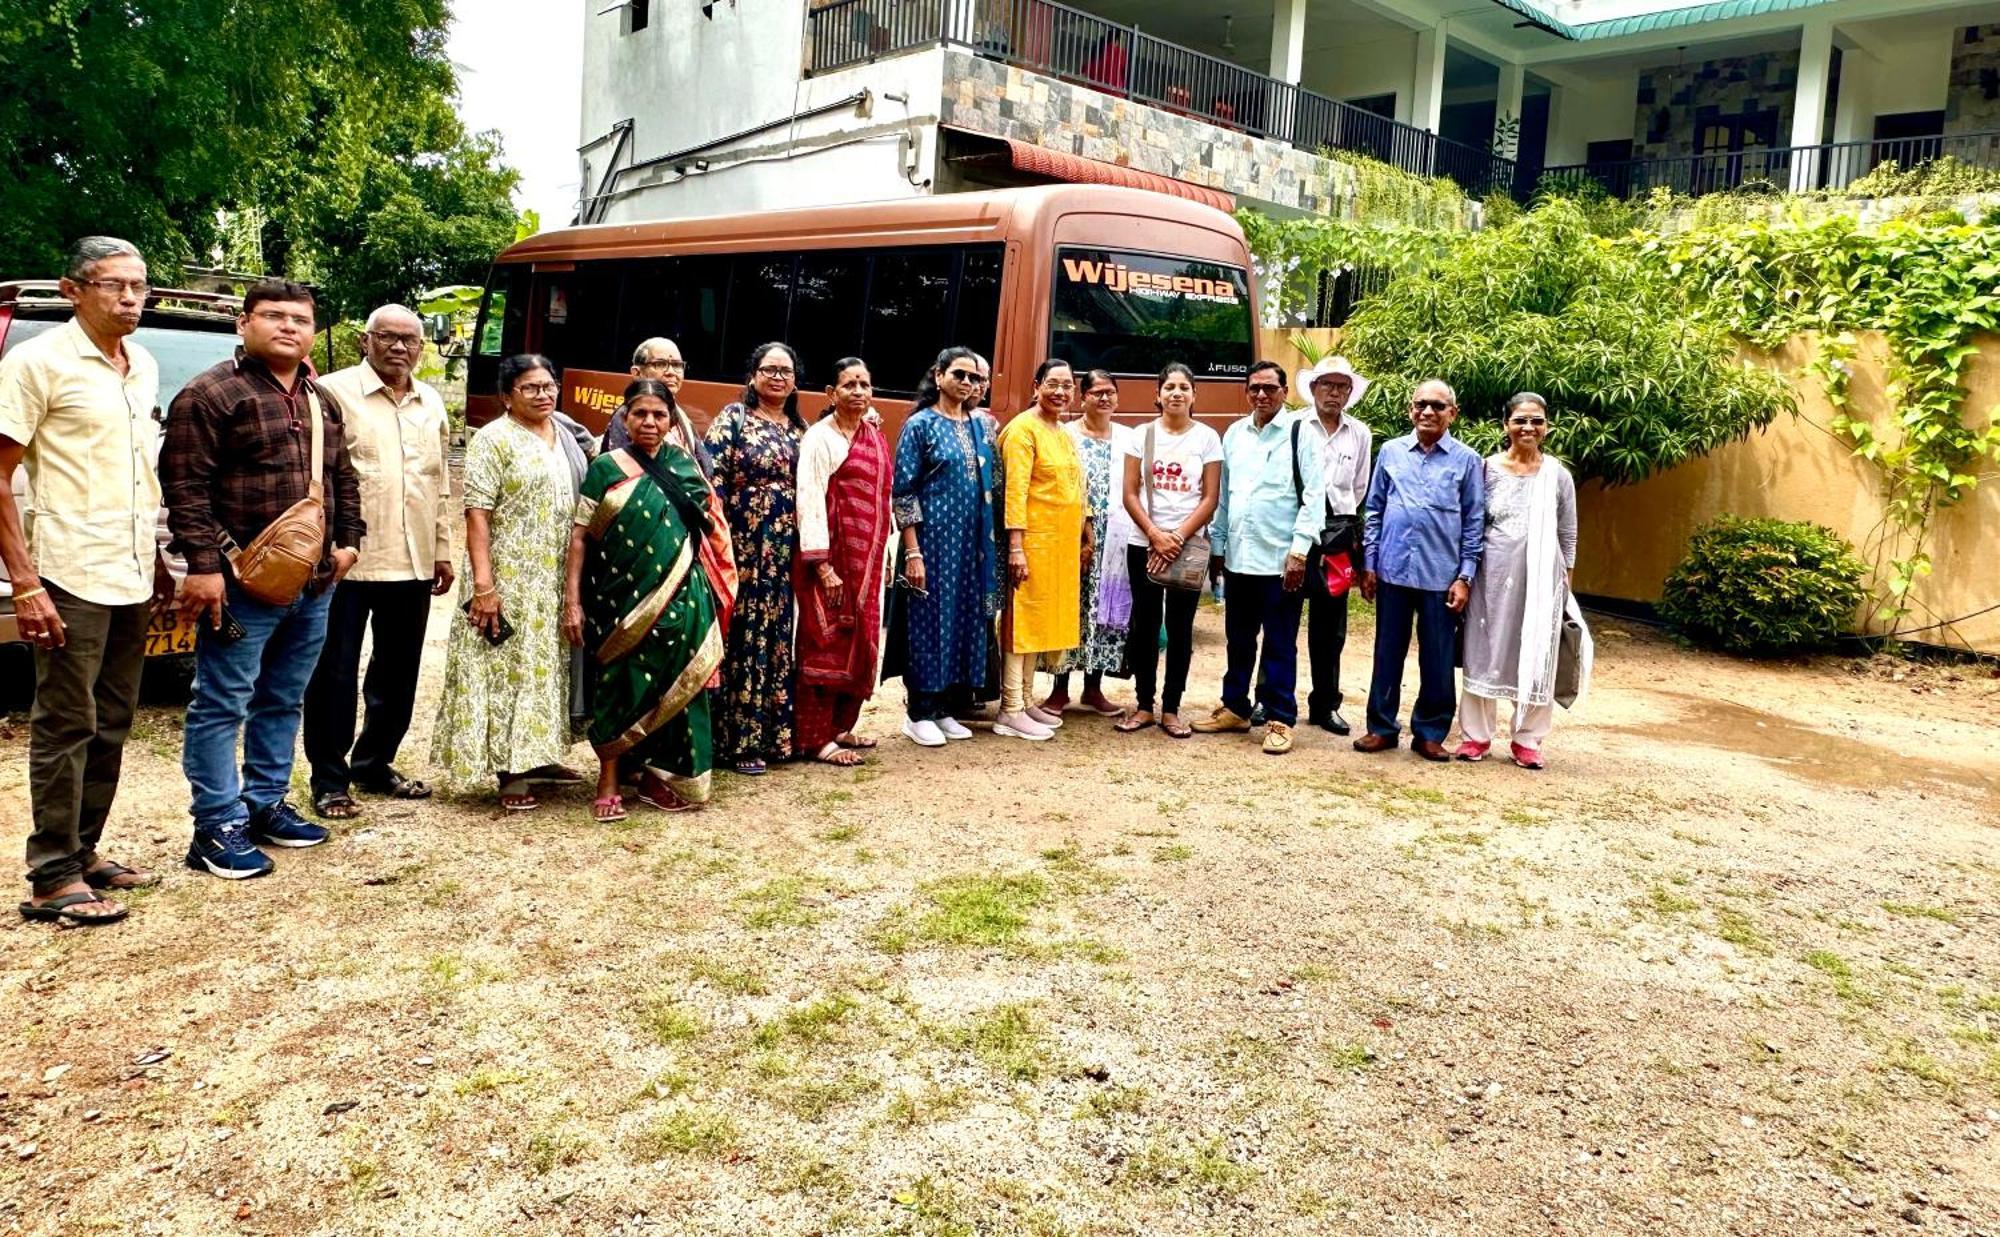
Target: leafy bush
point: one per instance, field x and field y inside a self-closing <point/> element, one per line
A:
<point x="1945" y="175"/>
<point x="1544" y="304"/>
<point x="1763" y="587"/>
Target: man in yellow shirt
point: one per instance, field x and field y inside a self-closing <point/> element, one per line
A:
<point x="400" y="441"/>
<point x="79" y="406"/>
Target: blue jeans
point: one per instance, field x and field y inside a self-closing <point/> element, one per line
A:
<point x="1396" y="608"/>
<point x="254" y="688"/>
<point x="1259" y="608"/>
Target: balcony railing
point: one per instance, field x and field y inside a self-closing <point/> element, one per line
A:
<point x="1830" y="165"/>
<point x="1057" y="41"/>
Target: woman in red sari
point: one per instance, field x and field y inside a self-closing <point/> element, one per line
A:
<point x="845" y="471"/>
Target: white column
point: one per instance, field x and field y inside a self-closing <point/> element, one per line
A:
<point x="1508" y="103"/>
<point x="1288" y="54"/>
<point x="1809" y="100"/>
<point x="1288" y="39"/>
<point x="1427" y="99"/>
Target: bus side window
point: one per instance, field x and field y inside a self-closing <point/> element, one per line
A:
<point x="976" y="324"/>
<point x="909" y="305"/>
<point x="759" y="311"/>
<point x="827" y="313"/>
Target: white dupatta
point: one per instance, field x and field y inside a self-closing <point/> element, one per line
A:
<point x="1535" y="674"/>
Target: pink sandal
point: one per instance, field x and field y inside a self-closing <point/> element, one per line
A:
<point x="608" y="809"/>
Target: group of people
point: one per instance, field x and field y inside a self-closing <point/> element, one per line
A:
<point x="730" y="595"/>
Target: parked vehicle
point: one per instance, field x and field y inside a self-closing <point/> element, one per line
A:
<point x="186" y="332"/>
<point x="1102" y="276"/>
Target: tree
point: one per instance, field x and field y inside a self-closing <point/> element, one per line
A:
<point x="1636" y="382"/>
<point x="331" y="119"/>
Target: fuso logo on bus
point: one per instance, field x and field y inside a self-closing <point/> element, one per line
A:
<point x="1118" y="277"/>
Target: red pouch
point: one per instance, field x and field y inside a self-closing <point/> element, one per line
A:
<point x="1339" y="574"/>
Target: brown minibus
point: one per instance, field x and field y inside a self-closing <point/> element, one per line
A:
<point x="1102" y="276"/>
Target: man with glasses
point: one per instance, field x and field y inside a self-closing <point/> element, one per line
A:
<point x="238" y="456"/>
<point x="79" y="407"/>
<point x="659" y="358"/>
<point x="400" y="440"/>
<point x="1266" y="522"/>
<point x="1423" y="532"/>
<point x="1346" y="445"/>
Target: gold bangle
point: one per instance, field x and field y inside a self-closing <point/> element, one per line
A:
<point x="488" y="593"/>
<point x="33" y="592"/>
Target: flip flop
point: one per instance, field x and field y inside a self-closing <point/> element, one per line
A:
<point x="1132" y="724"/>
<point x="608" y="809"/>
<point x="398" y="787"/>
<point x="833" y="753"/>
<point x="751" y="768"/>
<point x="1179" y="730"/>
<point x="516" y="797"/>
<point x="56" y="910"/>
<point x="854" y="741"/>
<point x="1109" y="710"/>
<point x="654" y="792"/>
<point x="109" y="875"/>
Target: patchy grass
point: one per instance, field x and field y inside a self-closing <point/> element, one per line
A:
<point x="549" y="1151"/>
<point x="977" y="910"/>
<point x="1200" y="1167"/>
<point x="1916" y="910"/>
<point x="1110" y="1101"/>
<point x="776" y="903"/>
<point x="1666" y="902"/>
<point x="1740" y="930"/>
<point x="1906" y="1058"/>
<point x="1351" y="1057"/>
<point x="813" y="1099"/>
<point x="1175" y="853"/>
<point x="811" y="1023"/>
<point x="1834" y="967"/>
<point x="1006" y="1038"/>
<point x="667" y="1022"/>
<point x="926" y="1104"/>
<point x="727" y="977"/>
<point x="689" y="1130"/>
<point x="486" y="1080"/>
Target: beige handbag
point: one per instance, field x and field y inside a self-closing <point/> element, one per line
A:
<point x="278" y="564"/>
<point x="1189" y="570"/>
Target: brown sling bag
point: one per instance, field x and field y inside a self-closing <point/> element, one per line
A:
<point x="278" y="564"/>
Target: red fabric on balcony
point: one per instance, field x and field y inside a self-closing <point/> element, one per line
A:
<point x="1027" y="157"/>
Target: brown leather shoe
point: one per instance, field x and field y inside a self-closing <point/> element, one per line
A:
<point x="1372" y="742"/>
<point x="1430" y="749"/>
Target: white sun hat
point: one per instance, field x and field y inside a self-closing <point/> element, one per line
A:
<point x="1326" y="366"/>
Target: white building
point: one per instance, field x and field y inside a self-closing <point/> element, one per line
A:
<point x="697" y="107"/>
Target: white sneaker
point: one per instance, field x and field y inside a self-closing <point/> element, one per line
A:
<point x="1021" y="726"/>
<point x="1050" y="720"/>
<point x="953" y="729"/>
<point x="923" y="734"/>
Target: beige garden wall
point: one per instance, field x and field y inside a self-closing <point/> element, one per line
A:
<point x="1631" y="536"/>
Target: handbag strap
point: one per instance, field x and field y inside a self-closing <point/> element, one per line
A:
<point x="1146" y="472"/>
<point x="315" y="483"/>
<point x="1298" y="482"/>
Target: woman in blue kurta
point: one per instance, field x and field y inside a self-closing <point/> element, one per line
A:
<point x="941" y="622"/>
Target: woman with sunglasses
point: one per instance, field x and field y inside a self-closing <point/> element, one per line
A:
<point x="1099" y="443"/>
<point x="940" y="639"/>
<point x="753" y="445"/>
<point x="1169" y="505"/>
<point x="1514" y="618"/>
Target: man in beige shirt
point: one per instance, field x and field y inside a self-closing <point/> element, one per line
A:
<point x="79" y="405"/>
<point x="400" y="441"/>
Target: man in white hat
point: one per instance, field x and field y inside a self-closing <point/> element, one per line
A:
<point x="1346" y="445"/>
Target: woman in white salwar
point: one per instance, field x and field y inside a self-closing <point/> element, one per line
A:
<point x="1514" y="618"/>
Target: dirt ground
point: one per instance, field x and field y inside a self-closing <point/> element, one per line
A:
<point x="1731" y="965"/>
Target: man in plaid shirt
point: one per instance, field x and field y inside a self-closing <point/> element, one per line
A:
<point x="238" y="454"/>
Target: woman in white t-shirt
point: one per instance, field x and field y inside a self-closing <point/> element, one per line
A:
<point x="1186" y="482"/>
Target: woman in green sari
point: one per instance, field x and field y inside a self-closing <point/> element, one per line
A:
<point x="649" y="590"/>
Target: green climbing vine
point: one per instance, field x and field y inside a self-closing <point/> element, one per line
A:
<point x="1927" y="286"/>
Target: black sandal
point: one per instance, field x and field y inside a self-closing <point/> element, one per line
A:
<point x="106" y="875"/>
<point x="398" y="787"/>
<point x="55" y="910"/>
<point x="335" y="805"/>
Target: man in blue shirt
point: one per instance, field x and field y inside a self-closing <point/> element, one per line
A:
<point x="1266" y="522"/>
<point x="1423" y="530"/>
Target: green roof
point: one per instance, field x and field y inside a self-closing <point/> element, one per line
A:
<point x="1667" y="19"/>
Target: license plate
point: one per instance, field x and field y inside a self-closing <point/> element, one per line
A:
<point x="169" y="635"/>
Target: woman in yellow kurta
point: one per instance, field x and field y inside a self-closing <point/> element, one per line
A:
<point x="1047" y="540"/>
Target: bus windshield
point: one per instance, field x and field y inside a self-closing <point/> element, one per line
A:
<point x="1131" y="313"/>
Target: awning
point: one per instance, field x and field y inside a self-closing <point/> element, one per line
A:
<point x="1077" y="170"/>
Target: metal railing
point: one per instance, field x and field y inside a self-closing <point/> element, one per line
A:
<point x="1058" y="41"/>
<point x="1829" y="165"/>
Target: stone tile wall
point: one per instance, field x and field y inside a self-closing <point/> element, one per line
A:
<point x="1973" y="101"/>
<point x="1670" y="95"/>
<point x="986" y="96"/>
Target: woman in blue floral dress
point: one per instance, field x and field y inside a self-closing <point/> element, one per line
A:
<point x="754" y="444"/>
<point x="1098" y="441"/>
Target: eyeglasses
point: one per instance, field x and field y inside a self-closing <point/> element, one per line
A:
<point x="411" y="342"/>
<point x="137" y="287"/>
<point x="776" y="371"/>
<point x="1060" y="386"/>
<point x="672" y="367"/>
<point x="275" y="318"/>
<point x="1104" y="393"/>
<point x="1537" y="422"/>
<point x="534" y="390"/>
<point x="1428" y="405"/>
<point x="1265" y="388"/>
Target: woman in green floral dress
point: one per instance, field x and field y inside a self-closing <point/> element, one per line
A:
<point x="505" y="710"/>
